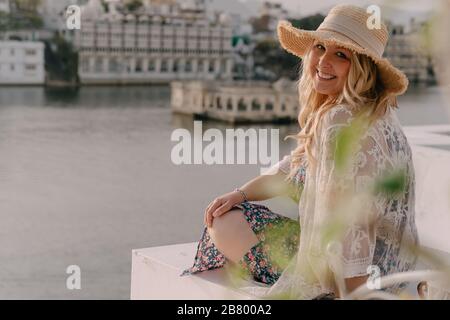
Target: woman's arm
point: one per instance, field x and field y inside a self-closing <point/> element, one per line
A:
<point x="267" y="186"/>
<point x="260" y="188"/>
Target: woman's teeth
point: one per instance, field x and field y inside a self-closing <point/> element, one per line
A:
<point x="325" y="76"/>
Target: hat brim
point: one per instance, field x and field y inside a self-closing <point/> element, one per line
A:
<point x="298" y="42"/>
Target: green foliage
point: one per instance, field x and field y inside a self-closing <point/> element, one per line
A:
<point x="393" y="183"/>
<point x="271" y="56"/>
<point x="308" y="23"/>
<point x="61" y="63"/>
<point x="133" y="5"/>
<point x="20" y="21"/>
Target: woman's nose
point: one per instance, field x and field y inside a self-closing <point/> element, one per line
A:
<point x="324" y="60"/>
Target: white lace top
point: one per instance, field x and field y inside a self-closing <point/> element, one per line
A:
<point x="348" y="211"/>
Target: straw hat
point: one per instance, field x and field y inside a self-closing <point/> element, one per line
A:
<point x="346" y="26"/>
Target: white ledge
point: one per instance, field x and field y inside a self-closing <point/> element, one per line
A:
<point x="156" y="273"/>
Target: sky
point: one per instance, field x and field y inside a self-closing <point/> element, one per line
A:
<point x="305" y="7"/>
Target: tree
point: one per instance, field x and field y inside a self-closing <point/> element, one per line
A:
<point x="61" y="63"/>
<point x="308" y="23"/>
<point x="133" y="5"/>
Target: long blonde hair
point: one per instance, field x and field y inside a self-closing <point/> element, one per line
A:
<point x="363" y="92"/>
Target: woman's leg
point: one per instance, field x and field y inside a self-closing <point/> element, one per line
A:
<point x="232" y="235"/>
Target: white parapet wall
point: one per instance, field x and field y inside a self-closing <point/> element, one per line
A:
<point x="156" y="271"/>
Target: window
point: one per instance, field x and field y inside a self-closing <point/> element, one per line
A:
<point x="30" y="67"/>
<point x="98" y="65"/>
<point x="175" y="66"/>
<point x="138" y="66"/>
<point x="229" y="104"/>
<point x="30" y="52"/>
<point x="85" y="65"/>
<point x="12" y="67"/>
<point x="223" y="66"/>
<point x="241" y="105"/>
<point x="269" y="106"/>
<point x="164" y="66"/>
<point x="188" y="66"/>
<point x="151" y="65"/>
<point x="256" y="106"/>
<point x="211" y="66"/>
<point x="218" y="103"/>
<point x="113" y="65"/>
<point x="200" y="66"/>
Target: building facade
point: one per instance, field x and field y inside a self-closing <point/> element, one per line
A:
<point x="160" y="43"/>
<point x="406" y="50"/>
<point x="5" y="6"/>
<point x="237" y="101"/>
<point x="22" y="62"/>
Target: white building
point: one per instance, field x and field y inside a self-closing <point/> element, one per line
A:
<point x="4" y="6"/>
<point x="160" y="43"/>
<point x="22" y="62"/>
<point x="406" y="49"/>
<point x="274" y="12"/>
<point x="237" y="101"/>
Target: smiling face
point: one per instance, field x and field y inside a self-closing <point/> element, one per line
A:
<point x="329" y="67"/>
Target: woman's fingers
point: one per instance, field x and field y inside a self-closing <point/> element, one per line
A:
<point x="215" y="204"/>
<point x="206" y="212"/>
<point x="222" y="209"/>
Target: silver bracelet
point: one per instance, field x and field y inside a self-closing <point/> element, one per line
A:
<point x="243" y="194"/>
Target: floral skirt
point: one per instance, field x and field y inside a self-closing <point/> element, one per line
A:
<point x="278" y="242"/>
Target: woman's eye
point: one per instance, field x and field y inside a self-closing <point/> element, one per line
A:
<point x="341" y="55"/>
<point x="320" y="47"/>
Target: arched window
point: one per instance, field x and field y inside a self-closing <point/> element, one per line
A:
<point x="211" y="102"/>
<point x="229" y="104"/>
<point x="218" y="103"/>
<point x="256" y="105"/>
<point x="269" y="106"/>
<point x="241" y="105"/>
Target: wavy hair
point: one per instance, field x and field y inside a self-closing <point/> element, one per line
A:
<point x="363" y="92"/>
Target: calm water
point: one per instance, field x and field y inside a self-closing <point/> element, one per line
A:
<point x="86" y="176"/>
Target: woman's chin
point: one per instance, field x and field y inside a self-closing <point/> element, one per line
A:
<point x="325" y="90"/>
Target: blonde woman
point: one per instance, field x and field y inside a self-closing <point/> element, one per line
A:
<point x="352" y="175"/>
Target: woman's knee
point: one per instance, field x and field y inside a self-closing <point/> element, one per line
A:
<point x="232" y="234"/>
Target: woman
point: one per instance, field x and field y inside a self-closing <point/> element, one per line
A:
<point x="352" y="172"/>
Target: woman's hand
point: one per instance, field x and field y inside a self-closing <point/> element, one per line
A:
<point x="221" y="205"/>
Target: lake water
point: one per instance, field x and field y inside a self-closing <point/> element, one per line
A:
<point x="86" y="176"/>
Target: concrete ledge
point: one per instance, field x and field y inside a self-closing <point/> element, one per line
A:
<point x="156" y="273"/>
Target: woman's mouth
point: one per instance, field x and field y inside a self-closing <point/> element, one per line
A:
<point x="324" y="76"/>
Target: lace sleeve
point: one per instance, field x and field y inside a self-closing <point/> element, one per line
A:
<point x="347" y="206"/>
<point x="284" y="165"/>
